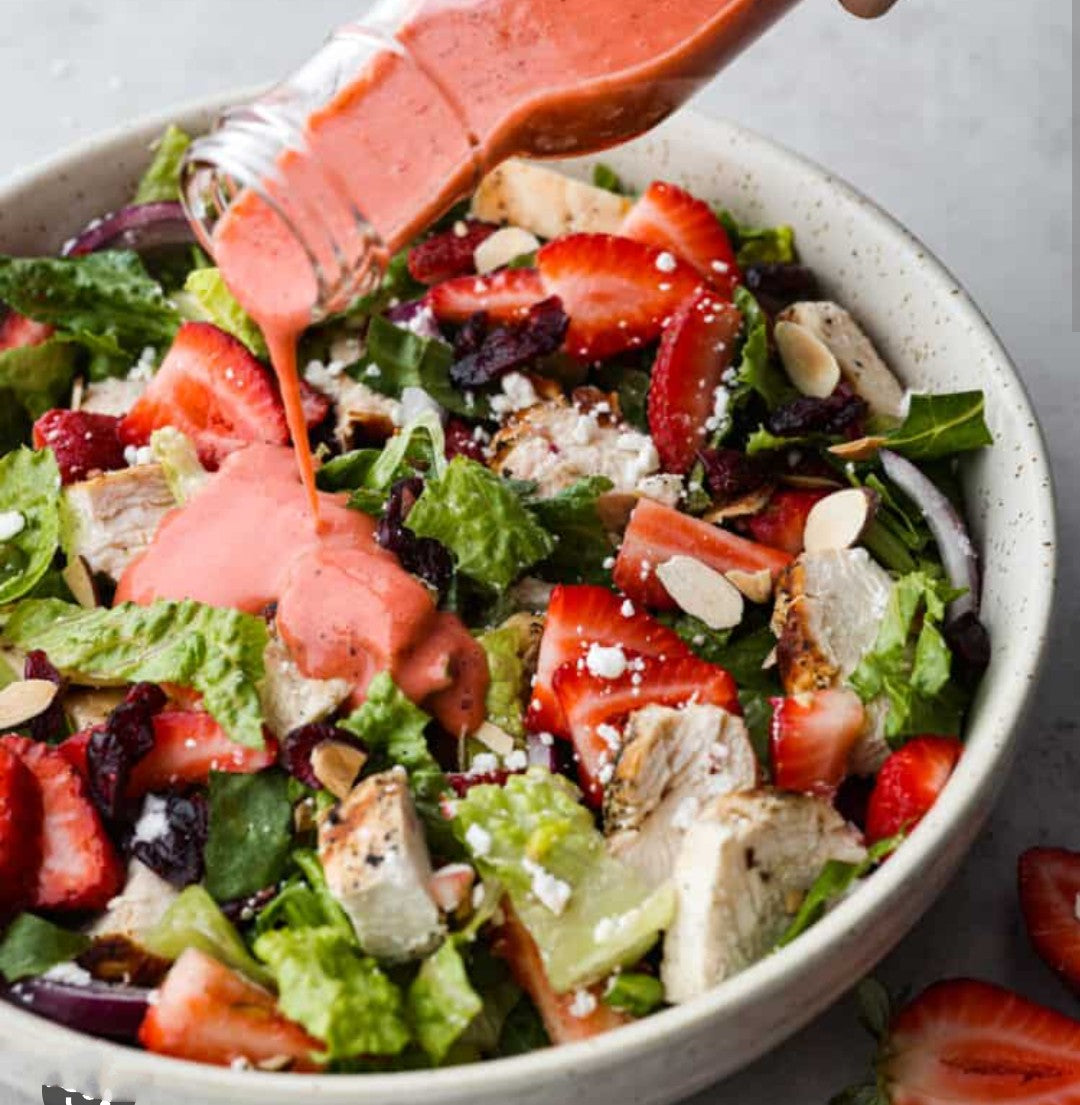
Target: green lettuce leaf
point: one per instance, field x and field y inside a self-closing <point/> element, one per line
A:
<point x="39" y="376"/>
<point x="762" y="441"/>
<point x="942" y="425"/>
<point x="207" y="298"/>
<point x="31" y="946"/>
<point x="179" y="460"/>
<point x="910" y="663"/>
<point x="30" y="485"/>
<point x="631" y="385"/>
<point x="604" y="176"/>
<point x="481" y="520"/>
<point x="161" y="181"/>
<point x="397" y="284"/>
<point x="587" y="912"/>
<point x="572" y="518"/>
<point x="193" y="920"/>
<point x="523" y="1031"/>
<point x="770" y="245"/>
<point x="338" y="995"/>
<point x="105" y="300"/>
<point x="634" y="993"/>
<point x="305" y="901"/>
<point x="218" y="652"/>
<point x="755" y="370"/>
<point x="441" y="1002"/>
<point x="251" y="833"/>
<point x="505" y="648"/>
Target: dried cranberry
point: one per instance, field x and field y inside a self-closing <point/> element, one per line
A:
<point x="461" y="441"/>
<point x="471" y="335"/>
<point x="462" y="783"/>
<point x="297" y="747"/>
<point x="49" y="725"/>
<point x="118" y="745"/>
<point x="423" y="556"/>
<point x="778" y="286"/>
<point x="729" y="474"/>
<point x="240" y="910"/>
<point x="510" y="347"/>
<point x="176" y="853"/>
<point x="970" y="644"/>
<point x="853" y="797"/>
<point x="842" y="413"/>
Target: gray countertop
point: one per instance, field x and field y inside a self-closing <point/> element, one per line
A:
<point x="954" y="116"/>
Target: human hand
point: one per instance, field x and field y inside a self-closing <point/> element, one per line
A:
<point x="868" y="9"/>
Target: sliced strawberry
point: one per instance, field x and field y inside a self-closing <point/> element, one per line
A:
<point x="210" y="387"/>
<point x="1049" y="892"/>
<point x="563" y="1015"/>
<point x="695" y="351"/>
<point x="671" y="218"/>
<point x="20" y="833"/>
<point x="82" y="442"/>
<point x="582" y="615"/>
<point x="188" y="745"/>
<point x="504" y="296"/>
<point x="782" y="522"/>
<point x="596" y="708"/>
<point x="444" y="256"/>
<point x="811" y="739"/>
<point x="619" y="294"/>
<point x="968" y="1042"/>
<point x="316" y="405"/>
<point x="19" y="332"/>
<point x="909" y="783"/>
<point x="79" y="867"/>
<point x="208" y="1013"/>
<point x="656" y="533"/>
<point x="74" y="750"/>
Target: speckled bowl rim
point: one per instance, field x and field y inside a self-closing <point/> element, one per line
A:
<point x="965" y="803"/>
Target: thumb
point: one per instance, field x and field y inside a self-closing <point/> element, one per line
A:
<point x="868" y="9"/>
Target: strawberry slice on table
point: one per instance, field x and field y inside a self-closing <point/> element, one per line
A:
<point x="619" y="294"/>
<point x="1049" y="892"/>
<point x="695" y="352"/>
<point x="656" y="533"/>
<point x="582" y="615"/>
<point x="20" y="833"/>
<point x="963" y="1041"/>
<point x="19" y="332"/>
<point x="80" y="869"/>
<point x="670" y="217"/>
<point x="596" y="708"/>
<point x="208" y="1013"/>
<point x="81" y="441"/>
<point x="908" y="785"/>
<point x="781" y="524"/>
<point x="444" y="256"/>
<point x="188" y="745"/>
<point x="211" y="388"/>
<point x="504" y="296"/>
<point x="811" y="738"/>
<point x="564" y="1015"/>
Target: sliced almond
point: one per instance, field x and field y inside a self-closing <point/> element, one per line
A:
<point x="702" y="592"/>
<point x="78" y="391"/>
<point x="808" y="361"/>
<point x="615" y="508"/>
<point x="304" y="815"/>
<point x="793" y="901"/>
<point x="90" y="706"/>
<point x="21" y="701"/>
<point x="740" y="508"/>
<point x="810" y="483"/>
<point x="502" y="247"/>
<point x="862" y="448"/>
<point x="81" y="583"/>
<point x="275" y="1063"/>
<point x="498" y="740"/>
<point x="336" y="765"/>
<point x="756" y="586"/>
<point x="771" y="660"/>
<point x="838" y="520"/>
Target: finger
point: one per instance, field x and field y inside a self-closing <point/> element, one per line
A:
<point x="868" y="9"/>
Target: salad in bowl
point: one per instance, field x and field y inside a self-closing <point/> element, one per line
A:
<point x="636" y="625"/>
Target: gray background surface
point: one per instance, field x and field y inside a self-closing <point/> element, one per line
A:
<point x="954" y="116"/>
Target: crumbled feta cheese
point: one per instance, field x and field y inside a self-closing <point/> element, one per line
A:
<point x="422" y="322"/>
<point x="546" y="739"/>
<point x="12" y="523"/>
<point x="484" y="763"/>
<point x="517" y="394"/>
<point x="666" y="262"/>
<point x="604" y="930"/>
<point x="550" y="892"/>
<point x="134" y="455"/>
<point x="518" y="760"/>
<point x="605" y="662"/>
<point x="478" y="840"/>
<point x="71" y="973"/>
<point x="584" y="1003"/>
<point x="154" y="822"/>
<point x="721" y="403"/>
<point x="583" y="430"/>
<point x="478" y="893"/>
<point x="627" y="609"/>
<point x="373" y="371"/>
<point x="720" y="266"/>
<point x="609" y="563"/>
<point x="609" y="735"/>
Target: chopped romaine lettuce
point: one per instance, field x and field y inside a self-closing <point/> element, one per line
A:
<point x="32" y="945"/>
<point x="483" y="522"/>
<point x="770" y="245"/>
<point x="604" y="176"/>
<point x="397" y="285"/>
<point x="587" y="912"/>
<point x="39" y="376"/>
<point x="216" y="651"/>
<point x="161" y="181"/>
<point x="635" y="993"/>
<point x="441" y="1002"/>
<point x="942" y="425"/>
<point x="305" y="901"/>
<point x="338" y="995"/>
<point x="194" y="920"/>
<point x="251" y="833"/>
<point x="30" y="488"/>
<point x="179" y="460"/>
<point x="207" y="298"/>
<point x="573" y="519"/>
<point x="755" y="370"/>
<point x="523" y="1031"/>
<point x="505" y="648"/>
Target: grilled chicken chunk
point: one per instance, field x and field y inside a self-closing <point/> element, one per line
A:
<point x="364" y="415"/>
<point x="672" y="763"/>
<point x="377" y="865"/>
<point x="741" y="867"/>
<point x="117" y="514"/>
<point x="546" y="202"/>
<point x="860" y="363"/>
<point x="138" y="908"/>
<point x="289" y="698"/>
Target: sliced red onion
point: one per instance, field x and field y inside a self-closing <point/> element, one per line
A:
<point x="140" y="227"/>
<point x="98" y="1009"/>
<point x="951" y="534"/>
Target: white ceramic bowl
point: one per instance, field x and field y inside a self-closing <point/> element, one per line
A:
<point x="931" y="333"/>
